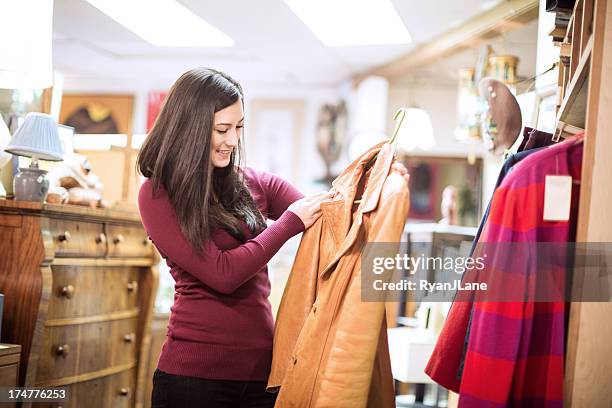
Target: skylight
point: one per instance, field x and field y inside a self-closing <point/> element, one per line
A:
<point x="340" y="23"/>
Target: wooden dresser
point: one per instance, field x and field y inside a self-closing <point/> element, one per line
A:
<point x="10" y="355"/>
<point x="79" y="288"/>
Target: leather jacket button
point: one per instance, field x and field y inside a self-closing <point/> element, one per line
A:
<point x="294" y="358"/>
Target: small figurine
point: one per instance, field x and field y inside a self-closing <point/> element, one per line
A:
<point x="81" y="186"/>
<point x="448" y="206"/>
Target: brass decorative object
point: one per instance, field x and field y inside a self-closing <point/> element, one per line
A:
<point x="503" y="68"/>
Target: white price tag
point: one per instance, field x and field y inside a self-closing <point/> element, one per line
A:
<point x="557" y="198"/>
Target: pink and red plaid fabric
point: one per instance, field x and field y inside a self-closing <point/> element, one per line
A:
<point x="515" y="350"/>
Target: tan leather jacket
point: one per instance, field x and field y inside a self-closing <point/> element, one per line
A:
<point x="330" y="348"/>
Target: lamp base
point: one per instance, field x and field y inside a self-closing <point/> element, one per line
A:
<point x="31" y="184"/>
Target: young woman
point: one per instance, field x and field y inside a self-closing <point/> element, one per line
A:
<point x="206" y="216"/>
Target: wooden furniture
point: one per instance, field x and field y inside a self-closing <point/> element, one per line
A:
<point x="575" y="63"/>
<point x="587" y="101"/>
<point x="79" y="288"/>
<point x="159" y="327"/>
<point x="9" y="367"/>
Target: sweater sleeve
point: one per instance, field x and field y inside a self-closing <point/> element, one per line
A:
<point x="280" y="194"/>
<point x="222" y="270"/>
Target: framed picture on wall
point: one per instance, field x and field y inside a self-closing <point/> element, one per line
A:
<point x="273" y="141"/>
<point x="97" y="114"/>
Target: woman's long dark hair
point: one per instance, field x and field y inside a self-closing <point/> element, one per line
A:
<point x="176" y="155"/>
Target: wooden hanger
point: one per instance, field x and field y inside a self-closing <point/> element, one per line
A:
<point x="563" y="129"/>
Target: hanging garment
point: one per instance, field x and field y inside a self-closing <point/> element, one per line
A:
<point x="533" y="141"/>
<point x="461" y="313"/>
<point x="508" y="165"/>
<point x="514" y="354"/>
<point x="534" y="138"/>
<point x="330" y="347"/>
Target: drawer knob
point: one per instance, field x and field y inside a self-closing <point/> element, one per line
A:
<point x="64" y="236"/>
<point x="67" y="291"/>
<point x="124" y="392"/>
<point x="129" y="338"/>
<point x="132" y="286"/>
<point x="63" y="350"/>
<point x="119" y="238"/>
<point x="101" y="238"/>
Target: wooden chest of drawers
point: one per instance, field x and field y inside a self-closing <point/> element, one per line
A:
<point x="9" y="367"/>
<point x="79" y="288"/>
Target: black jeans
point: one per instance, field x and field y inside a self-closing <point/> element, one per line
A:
<point x="177" y="391"/>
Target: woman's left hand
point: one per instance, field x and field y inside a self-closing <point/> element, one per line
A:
<point x="401" y="169"/>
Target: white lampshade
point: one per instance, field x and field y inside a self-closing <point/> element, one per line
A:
<point x="5" y="138"/>
<point x="416" y="131"/>
<point x="37" y="137"/>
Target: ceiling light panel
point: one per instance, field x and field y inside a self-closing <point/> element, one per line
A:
<point x="164" y="23"/>
<point x="340" y="23"/>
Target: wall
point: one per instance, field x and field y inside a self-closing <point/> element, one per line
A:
<point x="312" y="98"/>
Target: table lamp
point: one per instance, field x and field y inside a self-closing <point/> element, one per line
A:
<point x="36" y="138"/>
<point x="416" y="131"/>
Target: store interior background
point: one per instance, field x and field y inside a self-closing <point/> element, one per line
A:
<point x="288" y="75"/>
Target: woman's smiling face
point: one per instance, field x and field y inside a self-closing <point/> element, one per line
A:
<point x="227" y="130"/>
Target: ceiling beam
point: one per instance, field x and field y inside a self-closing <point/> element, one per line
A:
<point x="506" y="16"/>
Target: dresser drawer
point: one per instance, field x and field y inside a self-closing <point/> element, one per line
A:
<point x="70" y="402"/>
<point x="121" y="389"/>
<point x="8" y="375"/>
<point x="80" y="291"/>
<point x="90" y="394"/>
<point x="98" y="346"/>
<point x="77" y="291"/>
<point x="59" y="353"/>
<point x="122" y="286"/>
<point x="113" y="391"/>
<point x="128" y="241"/>
<point x="107" y="344"/>
<point x="124" y="341"/>
<point x="77" y="239"/>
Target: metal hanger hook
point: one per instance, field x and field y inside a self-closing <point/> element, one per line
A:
<point x="401" y="114"/>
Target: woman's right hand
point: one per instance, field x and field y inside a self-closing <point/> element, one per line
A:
<point x="309" y="208"/>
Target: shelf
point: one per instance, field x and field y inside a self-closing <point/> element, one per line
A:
<point x="573" y="107"/>
<point x="567" y="130"/>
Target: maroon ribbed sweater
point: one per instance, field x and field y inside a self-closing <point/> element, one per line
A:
<point x="221" y="323"/>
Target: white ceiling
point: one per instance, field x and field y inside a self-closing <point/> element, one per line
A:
<point x="520" y="43"/>
<point x="273" y="47"/>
